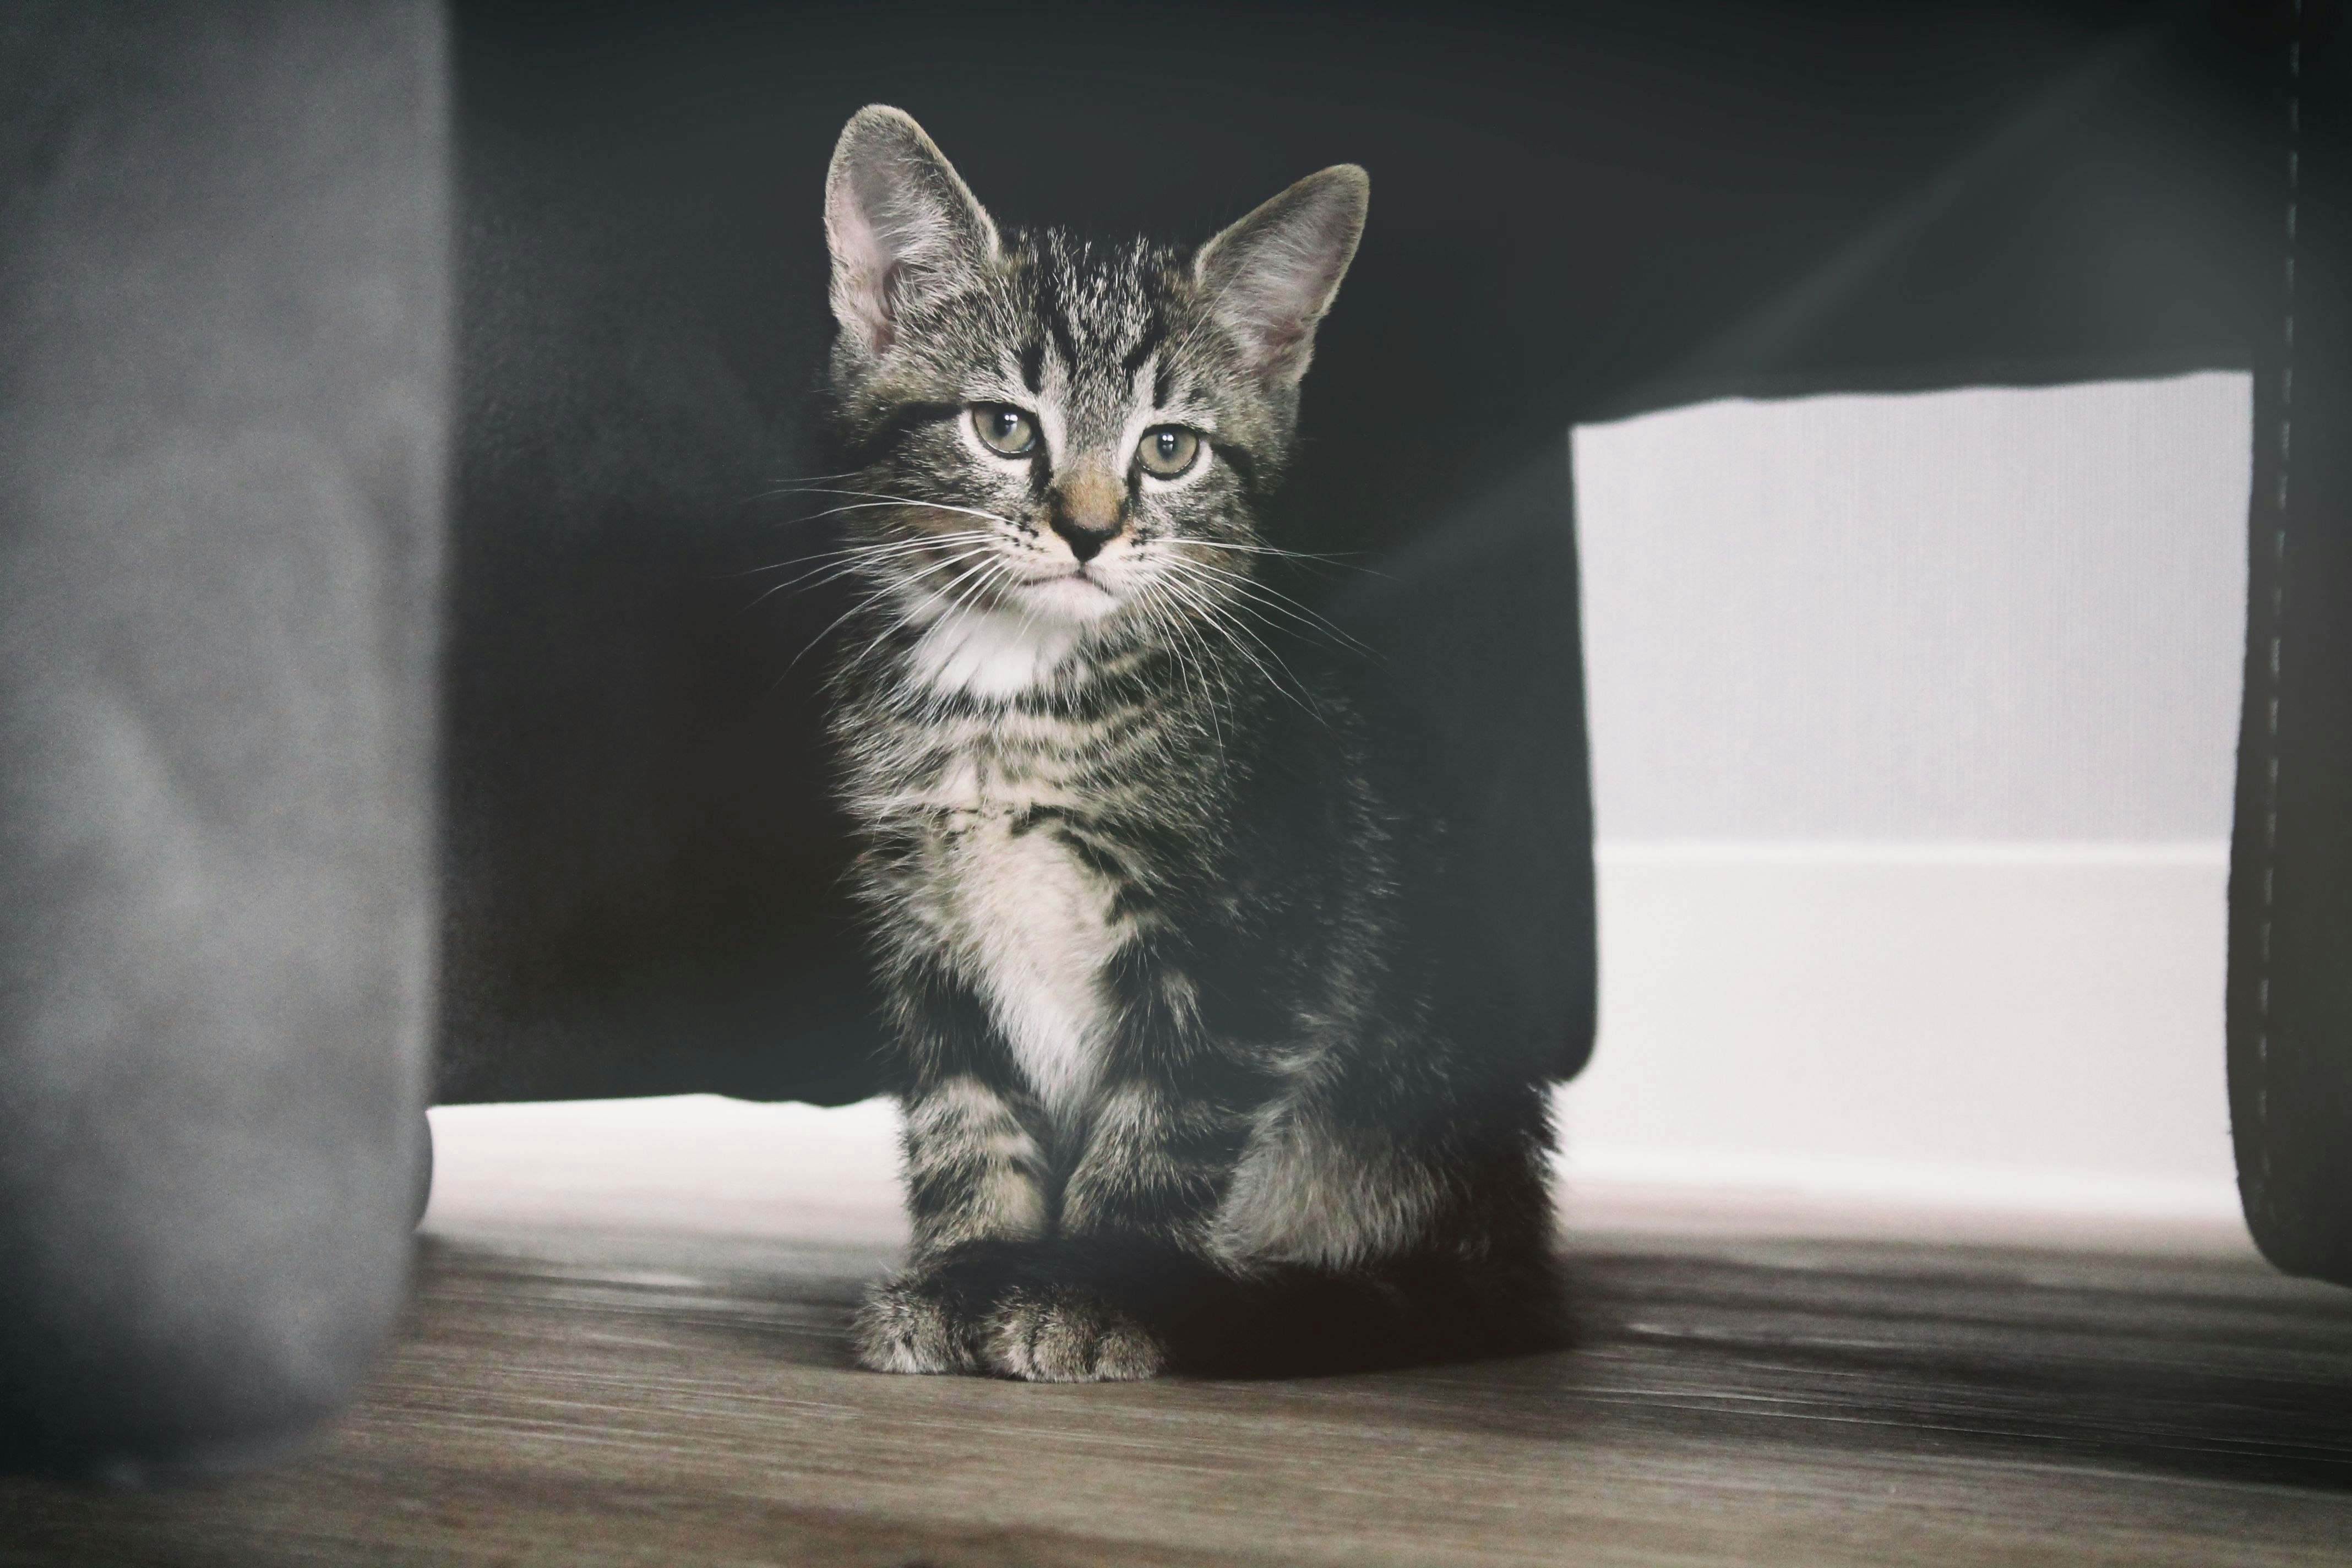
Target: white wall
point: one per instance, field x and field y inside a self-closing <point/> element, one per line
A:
<point x="1991" y="614"/>
<point x="1913" y="723"/>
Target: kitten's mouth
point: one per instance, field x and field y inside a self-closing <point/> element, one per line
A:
<point x="1076" y="574"/>
<point x="1077" y="594"/>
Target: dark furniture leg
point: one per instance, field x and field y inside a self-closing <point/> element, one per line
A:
<point x="2290" y="1001"/>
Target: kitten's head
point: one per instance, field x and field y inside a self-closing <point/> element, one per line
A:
<point x="1054" y="442"/>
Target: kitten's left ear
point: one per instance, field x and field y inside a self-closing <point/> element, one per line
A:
<point x="1270" y="277"/>
<point x="903" y="227"/>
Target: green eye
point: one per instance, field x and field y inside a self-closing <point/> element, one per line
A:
<point x="1005" y="429"/>
<point x="1167" y="451"/>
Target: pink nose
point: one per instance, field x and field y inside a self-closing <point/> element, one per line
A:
<point x="1086" y="513"/>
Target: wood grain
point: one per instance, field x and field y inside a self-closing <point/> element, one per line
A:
<point x="577" y="1397"/>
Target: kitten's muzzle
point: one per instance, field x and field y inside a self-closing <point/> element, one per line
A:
<point x="1088" y="511"/>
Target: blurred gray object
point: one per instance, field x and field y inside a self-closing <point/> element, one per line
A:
<point x="225" y="371"/>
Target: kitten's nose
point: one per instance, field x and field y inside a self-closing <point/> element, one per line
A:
<point x="1086" y="513"/>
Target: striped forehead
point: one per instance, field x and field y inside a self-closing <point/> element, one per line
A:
<point x="1099" y="329"/>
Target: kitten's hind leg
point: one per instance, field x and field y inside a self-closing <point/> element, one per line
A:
<point x="1388" y="1241"/>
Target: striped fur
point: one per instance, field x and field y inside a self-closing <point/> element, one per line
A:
<point x="1196" y="1059"/>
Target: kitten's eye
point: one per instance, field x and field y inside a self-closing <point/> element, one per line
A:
<point x="1005" y="429"/>
<point x="1167" y="451"/>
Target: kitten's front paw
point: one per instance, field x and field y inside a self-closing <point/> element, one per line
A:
<point x="911" y="1324"/>
<point x="1065" y="1336"/>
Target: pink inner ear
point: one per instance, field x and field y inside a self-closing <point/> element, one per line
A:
<point x="867" y="275"/>
<point x="1283" y="344"/>
<point x="1280" y="268"/>
<point x="1272" y="315"/>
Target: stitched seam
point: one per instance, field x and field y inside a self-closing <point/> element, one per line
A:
<point x="2278" y="607"/>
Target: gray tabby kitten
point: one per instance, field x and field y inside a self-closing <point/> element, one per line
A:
<point x="1198" y="1065"/>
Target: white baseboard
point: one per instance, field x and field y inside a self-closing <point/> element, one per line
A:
<point x="1858" y="1032"/>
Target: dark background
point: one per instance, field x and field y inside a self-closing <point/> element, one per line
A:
<point x="1577" y="214"/>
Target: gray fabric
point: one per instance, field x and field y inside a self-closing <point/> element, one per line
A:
<point x="224" y="377"/>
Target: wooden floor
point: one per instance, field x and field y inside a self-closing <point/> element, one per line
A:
<point x="627" y="1346"/>
<point x="662" y="1399"/>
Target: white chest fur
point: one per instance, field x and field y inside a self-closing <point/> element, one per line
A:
<point x="1020" y="917"/>
<point x="990" y="653"/>
<point x="1031" y="926"/>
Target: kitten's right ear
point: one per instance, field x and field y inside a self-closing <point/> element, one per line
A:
<point x="903" y="227"/>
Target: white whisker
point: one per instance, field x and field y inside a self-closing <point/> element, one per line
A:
<point x="880" y="499"/>
<point x="1283" y="604"/>
<point x="1198" y="595"/>
<point x="881" y="593"/>
<point x="835" y="564"/>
